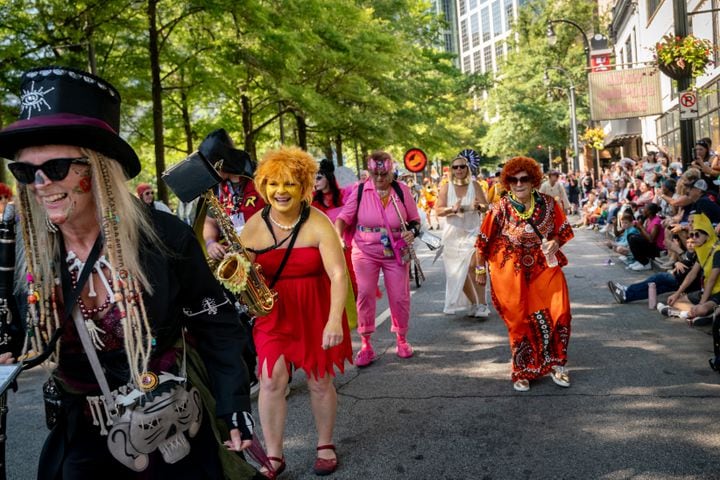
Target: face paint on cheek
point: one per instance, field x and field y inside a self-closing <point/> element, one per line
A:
<point x="84" y="185"/>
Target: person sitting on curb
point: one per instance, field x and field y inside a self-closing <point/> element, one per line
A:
<point x="651" y="240"/>
<point x="700" y="304"/>
<point x="620" y="244"/>
<point x="665" y="282"/>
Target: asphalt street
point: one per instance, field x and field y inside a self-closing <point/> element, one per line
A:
<point x="642" y="404"/>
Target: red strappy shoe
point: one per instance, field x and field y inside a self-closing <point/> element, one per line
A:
<point x="272" y="474"/>
<point x="325" y="466"/>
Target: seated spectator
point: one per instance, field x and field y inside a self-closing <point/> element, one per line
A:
<point x="588" y="210"/>
<point x="665" y="282"/>
<point x="702" y="202"/>
<point x="620" y="244"/>
<point x="649" y="242"/>
<point x="699" y="305"/>
<point x="646" y="194"/>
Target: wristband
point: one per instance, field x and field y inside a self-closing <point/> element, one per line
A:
<point x="243" y="421"/>
<point x="479" y="270"/>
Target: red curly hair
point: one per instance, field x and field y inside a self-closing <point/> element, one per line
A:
<point x="519" y="164"/>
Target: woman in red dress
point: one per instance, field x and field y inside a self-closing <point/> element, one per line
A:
<point x="302" y="259"/>
<point x="521" y="234"/>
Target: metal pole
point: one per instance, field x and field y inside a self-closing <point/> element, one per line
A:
<point x="573" y="122"/>
<point x="687" y="130"/>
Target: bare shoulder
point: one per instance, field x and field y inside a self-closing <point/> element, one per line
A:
<point x="254" y="231"/>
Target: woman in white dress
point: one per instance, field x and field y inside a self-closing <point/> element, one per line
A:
<point x="462" y="201"/>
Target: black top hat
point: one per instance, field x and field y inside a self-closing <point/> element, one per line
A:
<point x="218" y="146"/>
<point x="64" y="106"/>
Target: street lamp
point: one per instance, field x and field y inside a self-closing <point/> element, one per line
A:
<point x="552" y="38"/>
<point x="573" y="116"/>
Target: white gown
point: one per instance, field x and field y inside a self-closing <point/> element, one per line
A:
<point x="458" y="239"/>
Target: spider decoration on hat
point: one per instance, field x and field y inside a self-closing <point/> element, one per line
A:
<point x="473" y="159"/>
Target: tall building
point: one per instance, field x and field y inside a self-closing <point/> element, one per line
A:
<point x="449" y="41"/>
<point x="484" y="28"/>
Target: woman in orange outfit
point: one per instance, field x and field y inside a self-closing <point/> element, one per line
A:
<point x="520" y="233"/>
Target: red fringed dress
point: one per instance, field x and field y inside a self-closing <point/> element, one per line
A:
<point x="531" y="298"/>
<point x="295" y="325"/>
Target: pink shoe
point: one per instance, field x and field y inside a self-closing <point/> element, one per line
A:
<point x="365" y="357"/>
<point x="404" y="350"/>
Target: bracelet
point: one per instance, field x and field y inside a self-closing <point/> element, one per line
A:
<point x="479" y="270"/>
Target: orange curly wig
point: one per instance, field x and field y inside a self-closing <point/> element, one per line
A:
<point x="287" y="163"/>
<point x="519" y="164"/>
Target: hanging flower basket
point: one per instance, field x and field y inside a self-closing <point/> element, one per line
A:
<point x="675" y="71"/>
<point x="683" y="57"/>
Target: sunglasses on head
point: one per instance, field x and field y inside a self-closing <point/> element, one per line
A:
<point x="459" y="167"/>
<point x="695" y="234"/>
<point x="55" y="169"/>
<point x="514" y="180"/>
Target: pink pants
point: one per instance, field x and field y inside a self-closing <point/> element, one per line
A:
<point x="397" y="284"/>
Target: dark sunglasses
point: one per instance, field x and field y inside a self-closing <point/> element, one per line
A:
<point x="695" y="234"/>
<point x="459" y="167"/>
<point x="514" y="180"/>
<point x="55" y="169"/>
<point x="149" y="192"/>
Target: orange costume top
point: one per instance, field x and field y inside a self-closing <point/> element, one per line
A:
<point x="531" y="298"/>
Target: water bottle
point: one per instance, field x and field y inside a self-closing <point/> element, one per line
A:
<point x="550" y="259"/>
<point x="652" y="295"/>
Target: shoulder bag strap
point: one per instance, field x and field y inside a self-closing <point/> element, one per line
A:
<point x="303" y="217"/>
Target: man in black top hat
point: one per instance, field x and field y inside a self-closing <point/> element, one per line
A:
<point x="148" y="345"/>
<point x="236" y="192"/>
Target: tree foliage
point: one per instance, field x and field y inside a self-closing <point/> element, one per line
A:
<point x="320" y="73"/>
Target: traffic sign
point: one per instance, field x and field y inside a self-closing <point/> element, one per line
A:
<point x="688" y="106"/>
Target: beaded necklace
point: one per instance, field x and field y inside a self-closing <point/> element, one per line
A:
<point x="524" y="215"/>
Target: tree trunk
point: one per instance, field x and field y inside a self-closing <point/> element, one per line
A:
<point x="156" y="92"/>
<point x="327" y="149"/>
<point x="339" y="149"/>
<point x="187" y="127"/>
<point x="247" y="124"/>
<point x="301" y="130"/>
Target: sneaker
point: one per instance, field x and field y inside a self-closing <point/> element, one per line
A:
<point x="703" y="321"/>
<point x="365" y="357"/>
<point x="482" y="311"/>
<point x="618" y="291"/>
<point x="604" y="229"/>
<point x="663" y="309"/>
<point x="522" y="385"/>
<point x="560" y="376"/>
<point x="639" y="267"/>
<point x="404" y="350"/>
<point x="623" y="258"/>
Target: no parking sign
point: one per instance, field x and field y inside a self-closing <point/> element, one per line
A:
<point x="688" y="106"/>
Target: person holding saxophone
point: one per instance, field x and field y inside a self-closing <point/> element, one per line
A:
<point x="379" y="244"/>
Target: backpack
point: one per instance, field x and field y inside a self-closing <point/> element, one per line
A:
<point x="395" y="185"/>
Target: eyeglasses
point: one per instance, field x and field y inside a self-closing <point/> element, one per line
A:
<point x="695" y="234"/>
<point x="55" y="169"/>
<point x="459" y="167"/>
<point x="149" y="192"/>
<point x="514" y="180"/>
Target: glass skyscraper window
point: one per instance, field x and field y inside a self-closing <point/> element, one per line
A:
<point x="487" y="57"/>
<point x="473" y="5"/>
<point x="509" y="16"/>
<point x="464" y="36"/>
<point x="475" y="30"/>
<point x="485" y="16"/>
<point x="497" y="19"/>
<point x="477" y="61"/>
<point x="466" y="64"/>
<point x="461" y="6"/>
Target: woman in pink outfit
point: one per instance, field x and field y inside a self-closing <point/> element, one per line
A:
<point x="377" y="245"/>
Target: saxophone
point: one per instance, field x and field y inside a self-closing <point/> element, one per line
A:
<point x="236" y="271"/>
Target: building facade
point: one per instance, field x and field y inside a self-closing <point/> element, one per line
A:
<point x="636" y="27"/>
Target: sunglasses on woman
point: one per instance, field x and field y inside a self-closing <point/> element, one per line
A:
<point x="695" y="234"/>
<point x="55" y="169"/>
<point x="514" y="180"/>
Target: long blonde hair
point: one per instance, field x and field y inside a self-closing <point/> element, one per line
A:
<point x="122" y="238"/>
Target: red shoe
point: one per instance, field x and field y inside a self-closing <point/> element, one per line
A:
<point x="272" y="474"/>
<point x="325" y="466"/>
